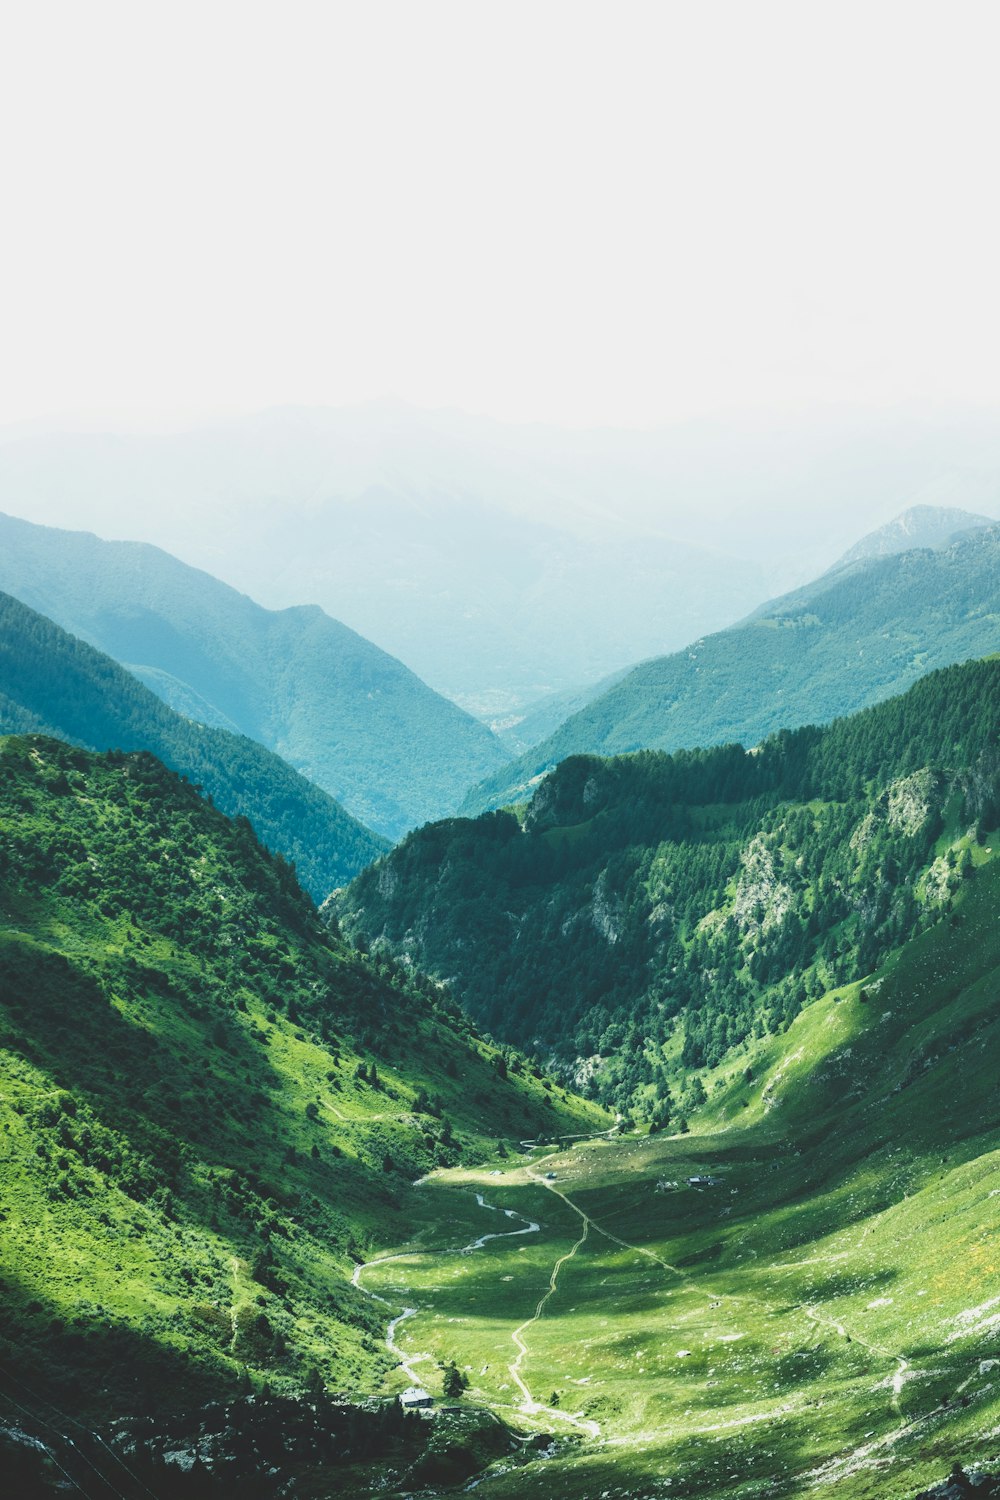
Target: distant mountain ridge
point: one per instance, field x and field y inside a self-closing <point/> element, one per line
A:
<point x="505" y="561"/>
<point x="920" y="526"/>
<point x="342" y="712"/>
<point x="855" y="636"/>
<point x="51" y="683"/>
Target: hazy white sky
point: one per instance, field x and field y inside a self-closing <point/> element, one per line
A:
<point x="616" y="212"/>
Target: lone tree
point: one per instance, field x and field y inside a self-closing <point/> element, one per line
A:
<point x="455" y="1381"/>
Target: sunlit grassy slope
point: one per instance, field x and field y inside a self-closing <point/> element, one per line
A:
<point x="190" y="1164"/>
<point x="825" y="1316"/>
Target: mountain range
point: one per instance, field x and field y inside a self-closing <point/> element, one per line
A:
<point x="637" y="1139"/>
<point x="216" y="1107"/>
<point x="864" y="630"/>
<point x="343" y="713"/>
<point x="505" y="562"/>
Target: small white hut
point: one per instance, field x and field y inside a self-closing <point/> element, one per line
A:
<point x="416" y="1398"/>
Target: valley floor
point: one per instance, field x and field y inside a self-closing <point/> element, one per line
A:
<point x="705" y="1341"/>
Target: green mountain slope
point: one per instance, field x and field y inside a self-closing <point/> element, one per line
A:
<point x="210" y="1105"/>
<point x="52" y="683"/>
<point x="857" y="635"/>
<point x="653" y="911"/>
<point x="203" y="1189"/>
<point x="348" y="716"/>
<point x="816" y="1314"/>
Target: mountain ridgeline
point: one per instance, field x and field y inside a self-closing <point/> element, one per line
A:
<point x="649" y="912"/>
<point x="918" y="526"/>
<point x="860" y="633"/>
<point x="502" y="561"/>
<point x="51" y="683"/>
<point x="348" y="716"/>
<point x="915" y="528"/>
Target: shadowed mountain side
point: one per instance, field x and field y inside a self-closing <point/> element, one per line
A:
<point x="52" y="683"/>
<point x="210" y="1103"/>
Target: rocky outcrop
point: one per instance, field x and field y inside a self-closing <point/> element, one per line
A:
<point x="909" y="801"/>
<point x="762" y="899"/>
<point x="964" y="1485"/>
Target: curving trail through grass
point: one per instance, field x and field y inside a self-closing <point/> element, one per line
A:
<point x="530" y="1405"/>
<point x="408" y="1362"/>
<point x="713" y="1295"/>
<point x="901" y="1362"/>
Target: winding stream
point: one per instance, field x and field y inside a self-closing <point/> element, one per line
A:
<point x="408" y="1362"/>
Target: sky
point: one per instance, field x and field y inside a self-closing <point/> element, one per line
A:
<point x="620" y="213"/>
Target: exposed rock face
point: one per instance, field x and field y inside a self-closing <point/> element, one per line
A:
<point x="862" y="835"/>
<point x="606" y="910"/>
<point x="908" y="802"/>
<point x="936" y="883"/>
<point x="762" y="900"/>
<point x="584" y="1070"/>
<point x="591" y="792"/>
<point x="905" y="806"/>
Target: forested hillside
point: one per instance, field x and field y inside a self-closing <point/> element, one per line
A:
<point x="210" y="1103"/>
<point x="854" y="637"/>
<point x="646" y="913"/>
<point x="348" y="716"/>
<point x="51" y="683"/>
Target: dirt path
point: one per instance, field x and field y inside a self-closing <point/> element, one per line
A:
<point x="844" y="1464"/>
<point x="902" y="1364"/>
<point x="713" y="1295"/>
<point x="408" y="1361"/>
<point x="683" y="1276"/>
<point x="530" y="1405"/>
